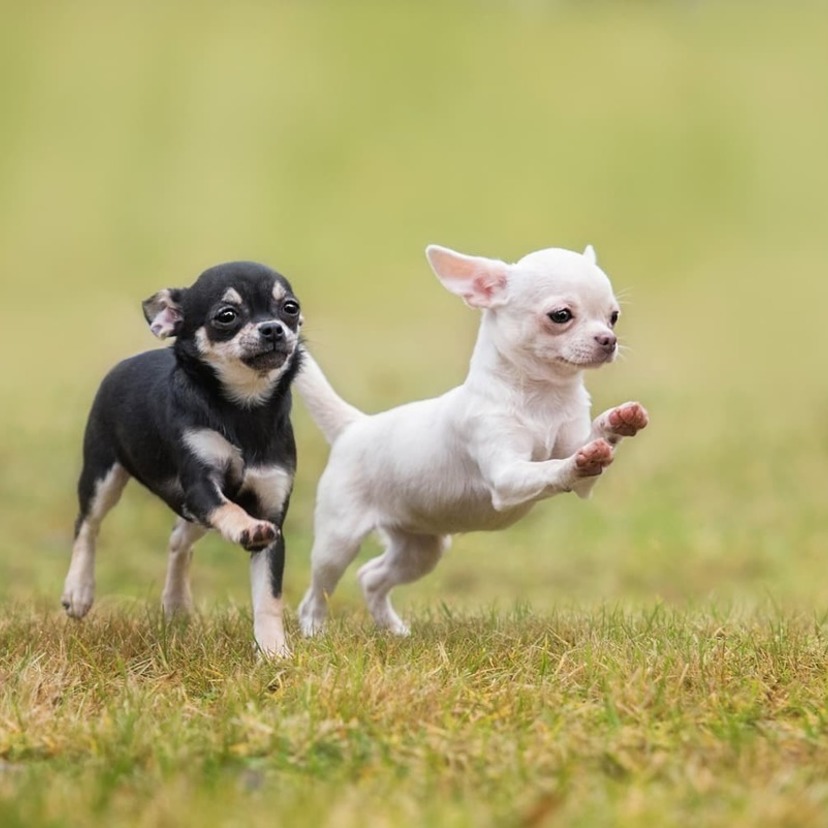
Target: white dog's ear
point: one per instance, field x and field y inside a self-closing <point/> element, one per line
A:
<point x="481" y="282"/>
<point x="163" y="312"/>
<point x="589" y="255"/>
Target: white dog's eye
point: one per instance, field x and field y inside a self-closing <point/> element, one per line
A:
<point x="613" y="318"/>
<point x="290" y="307"/>
<point x="560" y="317"/>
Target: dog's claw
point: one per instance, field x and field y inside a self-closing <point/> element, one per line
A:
<point x="259" y="536"/>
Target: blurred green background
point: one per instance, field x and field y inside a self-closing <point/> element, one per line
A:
<point x="142" y="143"/>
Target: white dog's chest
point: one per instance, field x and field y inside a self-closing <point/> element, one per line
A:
<point x="544" y="427"/>
<point x="544" y="444"/>
<point x="472" y="513"/>
<point x="455" y="500"/>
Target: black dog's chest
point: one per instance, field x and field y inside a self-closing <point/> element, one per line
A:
<point x="260" y="489"/>
<point x="260" y="482"/>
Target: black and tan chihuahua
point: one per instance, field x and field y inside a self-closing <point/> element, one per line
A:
<point x="205" y="425"/>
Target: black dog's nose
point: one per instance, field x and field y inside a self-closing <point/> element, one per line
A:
<point x="271" y="332"/>
<point x="607" y="341"/>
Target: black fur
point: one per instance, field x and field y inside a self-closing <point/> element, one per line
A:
<point x="147" y="404"/>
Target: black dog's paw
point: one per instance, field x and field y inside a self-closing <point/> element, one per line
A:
<point x="258" y="536"/>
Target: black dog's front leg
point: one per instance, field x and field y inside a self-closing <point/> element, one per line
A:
<point x="266" y="571"/>
<point x="205" y="502"/>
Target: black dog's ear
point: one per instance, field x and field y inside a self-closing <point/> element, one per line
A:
<point x="163" y="312"/>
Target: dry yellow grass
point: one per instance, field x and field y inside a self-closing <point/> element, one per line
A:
<point x="505" y="718"/>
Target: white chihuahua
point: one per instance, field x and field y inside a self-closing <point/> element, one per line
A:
<point x="480" y="456"/>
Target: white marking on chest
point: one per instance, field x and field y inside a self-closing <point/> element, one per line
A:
<point x="270" y="484"/>
<point x="242" y="384"/>
<point x="213" y="449"/>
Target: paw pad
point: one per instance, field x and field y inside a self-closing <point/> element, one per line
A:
<point x="258" y="536"/>
<point x="593" y="458"/>
<point x="628" y="419"/>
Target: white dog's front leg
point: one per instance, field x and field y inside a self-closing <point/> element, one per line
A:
<point x="612" y="425"/>
<point x="515" y="482"/>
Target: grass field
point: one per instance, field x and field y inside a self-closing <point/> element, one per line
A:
<point x="655" y="656"/>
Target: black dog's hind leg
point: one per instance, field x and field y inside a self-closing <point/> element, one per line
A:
<point x="177" y="598"/>
<point x="99" y="488"/>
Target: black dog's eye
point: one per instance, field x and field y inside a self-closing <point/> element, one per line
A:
<point x="613" y="318"/>
<point x="226" y="317"/>
<point x="290" y="307"/>
<point x="560" y="317"/>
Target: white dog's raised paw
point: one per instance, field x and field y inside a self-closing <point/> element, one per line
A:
<point x="593" y="458"/>
<point x="627" y="420"/>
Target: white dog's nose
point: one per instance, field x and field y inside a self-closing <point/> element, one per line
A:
<point x="607" y="342"/>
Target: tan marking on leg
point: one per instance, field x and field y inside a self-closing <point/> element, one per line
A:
<point x="177" y="597"/>
<point x="235" y="525"/>
<point x="79" y="586"/>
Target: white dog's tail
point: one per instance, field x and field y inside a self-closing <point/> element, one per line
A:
<point x="329" y="411"/>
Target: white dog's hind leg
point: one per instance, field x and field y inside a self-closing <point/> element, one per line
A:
<point x="407" y="558"/>
<point x="177" y="597"/>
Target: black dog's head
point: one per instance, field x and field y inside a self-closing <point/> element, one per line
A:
<point x="241" y="319"/>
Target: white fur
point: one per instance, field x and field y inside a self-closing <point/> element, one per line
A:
<point x="177" y="597"/>
<point x="270" y="484"/>
<point x="268" y="625"/>
<point x="243" y="384"/>
<point x="481" y="455"/>
<point x="213" y="449"/>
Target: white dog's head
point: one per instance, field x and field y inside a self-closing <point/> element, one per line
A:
<point x="552" y="313"/>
